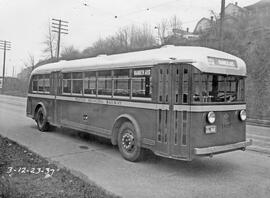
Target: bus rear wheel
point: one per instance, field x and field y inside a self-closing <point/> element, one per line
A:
<point x="41" y="120"/>
<point x="128" y="143"/>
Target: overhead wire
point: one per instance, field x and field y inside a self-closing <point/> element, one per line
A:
<point x="126" y="17"/>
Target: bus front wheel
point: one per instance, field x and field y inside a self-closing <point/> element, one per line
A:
<point x="128" y="143"/>
<point x="41" y="120"/>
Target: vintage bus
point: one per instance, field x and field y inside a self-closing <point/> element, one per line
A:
<point x="179" y="102"/>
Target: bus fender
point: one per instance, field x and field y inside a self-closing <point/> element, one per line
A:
<point x="117" y="124"/>
<point x="40" y="104"/>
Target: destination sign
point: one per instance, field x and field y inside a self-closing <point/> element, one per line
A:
<point x="222" y="62"/>
<point x="142" y="72"/>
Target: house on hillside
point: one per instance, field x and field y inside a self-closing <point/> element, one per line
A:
<point x="232" y="13"/>
<point x="261" y="8"/>
<point x="233" y="10"/>
<point x="186" y="34"/>
<point x="203" y="25"/>
<point x="180" y="37"/>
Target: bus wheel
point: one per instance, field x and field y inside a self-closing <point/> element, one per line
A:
<point x="128" y="143"/>
<point x="41" y="120"/>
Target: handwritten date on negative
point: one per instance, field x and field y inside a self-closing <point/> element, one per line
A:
<point x="24" y="170"/>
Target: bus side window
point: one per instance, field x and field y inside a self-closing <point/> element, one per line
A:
<point x="141" y="83"/>
<point x="105" y="83"/>
<point x="121" y="83"/>
<point x="66" y="83"/>
<point x="90" y="83"/>
<point x="167" y="78"/>
<point x="160" y="86"/>
<point x="185" y="85"/>
<point x="177" y="86"/>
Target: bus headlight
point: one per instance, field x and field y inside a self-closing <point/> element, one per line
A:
<point x="211" y="117"/>
<point x="243" y="115"/>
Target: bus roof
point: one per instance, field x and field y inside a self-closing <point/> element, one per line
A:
<point x="205" y="59"/>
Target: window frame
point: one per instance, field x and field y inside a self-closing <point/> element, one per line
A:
<point x="66" y="79"/>
<point x="102" y="78"/>
<point x="41" y="77"/>
<point x="76" y="79"/>
<point x="34" y="79"/>
<point x="88" y="79"/>
<point x="112" y="79"/>
<point x="204" y="100"/>
<point x="128" y="78"/>
<point x="142" y="76"/>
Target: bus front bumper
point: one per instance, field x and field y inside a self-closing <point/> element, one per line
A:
<point x="222" y="149"/>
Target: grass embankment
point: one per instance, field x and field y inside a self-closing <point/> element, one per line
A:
<point x="26" y="174"/>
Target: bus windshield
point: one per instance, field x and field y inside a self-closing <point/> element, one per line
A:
<point x="217" y="88"/>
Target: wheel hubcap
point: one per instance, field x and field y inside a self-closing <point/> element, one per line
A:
<point x="128" y="141"/>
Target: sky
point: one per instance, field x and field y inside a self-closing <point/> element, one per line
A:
<point x="25" y="23"/>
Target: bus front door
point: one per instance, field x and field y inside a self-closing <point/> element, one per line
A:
<point x="172" y="138"/>
<point x="163" y="114"/>
<point x="180" y="111"/>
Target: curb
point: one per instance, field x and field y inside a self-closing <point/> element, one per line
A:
<point x="258" y="122"/>
<point x="258" y="149"/>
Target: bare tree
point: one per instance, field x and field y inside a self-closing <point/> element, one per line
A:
<point x="168" y="27"/>
<point x="50" y="43"/>
<point x="141" y="37"/>
<point x="175" y="22"/>
<point x="123" y="38"/>
<point x="30" y="62"/>
<point x="129" y="38"/>
<point x="70" y="53"/>
<point x="162" y="29"/>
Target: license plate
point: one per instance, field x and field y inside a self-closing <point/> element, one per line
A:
<point x="210" y="129"/>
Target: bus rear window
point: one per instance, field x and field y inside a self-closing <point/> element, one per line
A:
<point x="41" y="83"/>
<point x="217" y="88"/>
<point x="34" y="84"/>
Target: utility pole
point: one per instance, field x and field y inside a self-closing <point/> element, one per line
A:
<point x="57" y="26"/>
<point x="222" y="14"/>
<point x="4" y="45"/>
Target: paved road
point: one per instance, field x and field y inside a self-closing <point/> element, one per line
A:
<point x="236" y="174"/>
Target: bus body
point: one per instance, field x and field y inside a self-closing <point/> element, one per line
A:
<point x="179" y="102"/>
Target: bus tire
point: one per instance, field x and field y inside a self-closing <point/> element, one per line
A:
<point x="128" y="143"/>
<point x="41" y="119"/>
